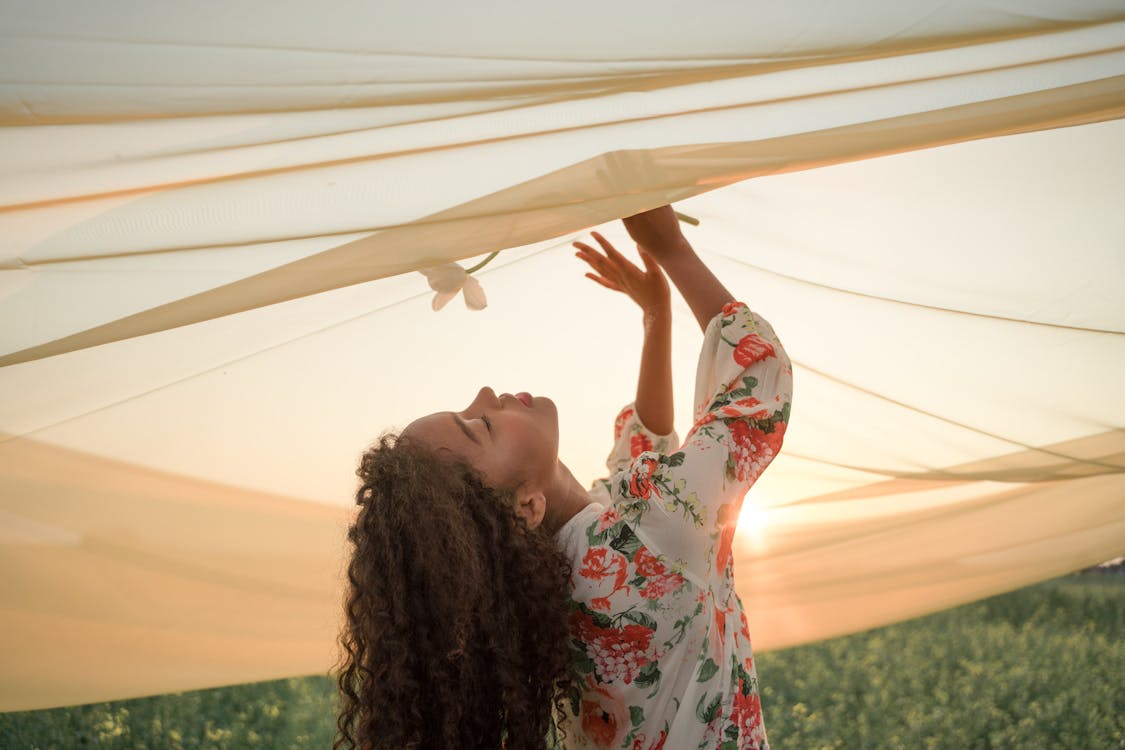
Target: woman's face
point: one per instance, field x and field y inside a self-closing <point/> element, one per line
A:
<point x="512" y="441"/>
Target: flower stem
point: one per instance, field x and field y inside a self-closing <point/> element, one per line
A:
<point x="483" y="263"/>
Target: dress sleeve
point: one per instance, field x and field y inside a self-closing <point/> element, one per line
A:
<point x="631" y="438"/>
<point x="686" y="502"/>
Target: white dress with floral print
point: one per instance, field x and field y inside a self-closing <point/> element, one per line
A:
<point x="660" y="645"/>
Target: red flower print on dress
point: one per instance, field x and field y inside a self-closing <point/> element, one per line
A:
<point x="723" y="555"/>
<point x="717" y="634"/>
<point x="619" y="423"/>
<point x="742" y="433"/>
<point x="604" y="715"/>
<point x="750" y="402"/>
<point x="733" y="410"/>
<point x="620" y="653"/>
<point x="744" y="631"/>
<point x="711" y="736"/>
<point x="608" y="520"/>
<point x="662" y="585"/>
<point x="657" y="744"/>
<point x="777" y="437"/>
<point x="752" y="348"/>
<point x="601" y="602"/>
<point x="746" y="714"/>
<point x="638" y="444"/>
<point x="598" y="565"/>
<point x="599" y="562"/>
<point x="647" y="563"/>
<point x="640" y="484"/>
<point x="581" y="626"/>
<point x="730" y="307"/>
<point x="753" y="449"/>
<point x="728" y="519"/>
<point x="617" y="653"/>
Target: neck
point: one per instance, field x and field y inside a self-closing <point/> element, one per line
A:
<point x="564" y="499"/>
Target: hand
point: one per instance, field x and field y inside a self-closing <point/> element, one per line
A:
<point x="658" y="232"/>
<point x="648" y="288"/>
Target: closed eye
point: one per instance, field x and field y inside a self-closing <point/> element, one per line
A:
<point x="487" y="422"/>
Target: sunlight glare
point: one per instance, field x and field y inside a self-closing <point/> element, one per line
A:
<point x="753" y="523"/>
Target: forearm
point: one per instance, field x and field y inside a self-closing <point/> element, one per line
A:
<point x="704" y="293"/>
<point x="654" y="384"/>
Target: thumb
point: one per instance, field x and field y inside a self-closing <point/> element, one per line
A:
<point x="650" y="263"/>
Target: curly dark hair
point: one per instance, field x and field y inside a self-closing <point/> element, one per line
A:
<point x="456" y="615"/>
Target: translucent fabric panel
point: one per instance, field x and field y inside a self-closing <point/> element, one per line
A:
<point x="209" y="306"/>
<point x="127" y="142"/>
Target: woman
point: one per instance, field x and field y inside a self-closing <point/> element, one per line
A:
<point x="491" y="593"/>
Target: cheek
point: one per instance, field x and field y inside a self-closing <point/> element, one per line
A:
<point x="530" y="449"/>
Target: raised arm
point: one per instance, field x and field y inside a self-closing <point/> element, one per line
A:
<point x="658" y="233"/>
<point x="686" y="504"/>
<point x="649" y="289"/>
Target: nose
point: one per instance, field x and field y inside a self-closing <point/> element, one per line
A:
<point x="486" y="397"/>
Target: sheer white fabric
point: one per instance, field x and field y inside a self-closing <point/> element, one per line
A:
<point x="209" y="216"/>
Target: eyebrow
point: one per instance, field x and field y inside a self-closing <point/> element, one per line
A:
<point x="465" y="428"/>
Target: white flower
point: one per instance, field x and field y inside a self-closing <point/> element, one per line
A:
<point x="450" y="278"/>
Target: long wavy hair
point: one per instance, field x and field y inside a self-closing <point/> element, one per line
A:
<point x="456" y="614"/>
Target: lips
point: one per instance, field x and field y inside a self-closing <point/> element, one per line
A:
<point x="525" y="398"/>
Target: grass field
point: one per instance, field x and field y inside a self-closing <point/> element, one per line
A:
<point x="1043" y="667"/>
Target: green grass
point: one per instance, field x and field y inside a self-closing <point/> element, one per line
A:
<point x="1041" y="667"/>
<point x="295" y="713"/>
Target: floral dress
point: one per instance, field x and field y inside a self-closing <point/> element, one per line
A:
<point x="660" y="645"/>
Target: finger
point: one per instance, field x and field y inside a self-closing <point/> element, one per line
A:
<point x="611" y="251"/>
<point x="588" y="250"/>
<point x="610" y="277"/>
<point x="592" y="256"/>
<point x="604" y="282"/>
<point x="622" y="273"/>
<point x="597" y="262"/>
<point x="603" y="264"/>
<point x="625" y="268"/>
<point x="588" y="254"/>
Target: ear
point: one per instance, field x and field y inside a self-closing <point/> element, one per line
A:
<point x="532" y="505"/>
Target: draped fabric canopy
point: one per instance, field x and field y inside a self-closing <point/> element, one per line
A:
<point x="211" y="216"/>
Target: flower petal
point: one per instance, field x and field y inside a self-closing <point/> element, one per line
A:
<point x="445" y="278"/>
<point x="474" y="294"/>
<point x="442" y="298"/>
